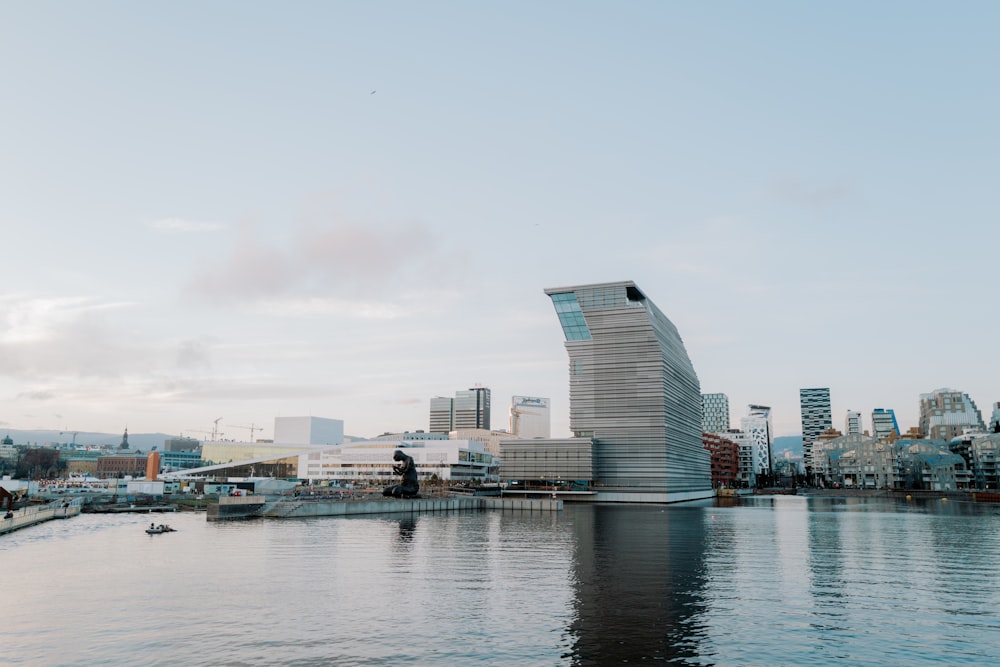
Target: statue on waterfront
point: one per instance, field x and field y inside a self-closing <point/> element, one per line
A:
<point x="407" y="469"/>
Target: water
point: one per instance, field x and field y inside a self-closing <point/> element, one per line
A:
<point x="776" y="581"/>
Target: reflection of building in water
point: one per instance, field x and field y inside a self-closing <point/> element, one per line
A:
<point x="638" y="584"/>
<point x="633" y="393"/>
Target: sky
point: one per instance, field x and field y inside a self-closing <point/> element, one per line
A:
<point x="237" y="211"/>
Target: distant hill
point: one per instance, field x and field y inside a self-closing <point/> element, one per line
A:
<point x="136" y="441"/>
<point x="789" y="442"/>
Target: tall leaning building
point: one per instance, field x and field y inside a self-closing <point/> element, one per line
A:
<point x="633" y="390"/>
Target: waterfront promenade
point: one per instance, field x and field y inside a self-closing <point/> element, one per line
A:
<point x="242" y="507"/>
<point x="35" y="514"/>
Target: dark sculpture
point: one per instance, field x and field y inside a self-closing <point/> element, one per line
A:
<point x="407" y="469"/>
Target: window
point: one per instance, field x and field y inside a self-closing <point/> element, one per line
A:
<point x="570" y="316"/>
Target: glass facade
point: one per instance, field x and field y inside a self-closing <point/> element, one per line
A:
<point x="571" y="318"/>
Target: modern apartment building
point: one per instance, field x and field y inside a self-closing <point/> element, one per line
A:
<point x="714" y="413"/>
<point x="634" y="391"/>
<point x="725" y="454"/>
<point x="884" y="423"/>
<point x="947" y="413"/>
<point x="817" y="417"/>
<point x="852" y="423"/>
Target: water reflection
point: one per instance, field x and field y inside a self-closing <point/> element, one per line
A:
<point x="407" y="529"/>
<point x="639" y="575"/>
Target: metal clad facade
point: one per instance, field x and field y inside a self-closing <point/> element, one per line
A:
<point x="634" y="390"/>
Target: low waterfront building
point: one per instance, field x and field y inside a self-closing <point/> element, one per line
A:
<point x="725" y="455"/>
<point x="869" y="464"/>
<point x="980" y="451"/>
<point x="490" y="438"/>
<point x="931" y="466"/>
<point x="180" y="459"/>
<point x="121" y="465"/>
<point x="556" y="464"/>
<point x="214" y="453"/>
<point x="826" y="453"/>
<point x="369" y="462"/>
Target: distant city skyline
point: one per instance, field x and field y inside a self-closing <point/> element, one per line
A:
<point x="224" y="222"/>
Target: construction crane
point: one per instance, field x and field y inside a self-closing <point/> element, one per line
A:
<point x="215" y="430"/>
<point x="252" y="427"/>
<point x="75" y="433"/>
<point x="515" y="419"/>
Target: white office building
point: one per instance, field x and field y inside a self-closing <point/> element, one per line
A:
<point x="308" y="430"/>
<point x="530" y="417"/>
<point x="370" y="463"/>
<point x="757" y="429"/>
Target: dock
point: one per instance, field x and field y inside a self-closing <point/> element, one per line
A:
<point x="29" y="516"/>
<point x="245" y="507"/>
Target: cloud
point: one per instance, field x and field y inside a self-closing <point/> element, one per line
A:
<point x="28" y="319"/>
<point x="348" y="270"/>
<point x="36" y="395"/>
<point x="181" y="226"/>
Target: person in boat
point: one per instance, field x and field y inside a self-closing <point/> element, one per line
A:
<point x="407" y="469"/>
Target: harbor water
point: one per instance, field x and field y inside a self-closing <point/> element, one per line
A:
<point x="781" y="580"/>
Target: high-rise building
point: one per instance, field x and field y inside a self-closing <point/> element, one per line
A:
<point x="816" y="418"/>
<point x="714" y="413"/>
<point x="530" y="417"/>
<point x="852" y="423"/>
<point x="633" y="390"/>
<point x="468" y="409"/>
<point x="442" y="418"/>
<point x="758" y="431"/>
<point x="884" y="423"/>
<point x="995" y="419"/>
<point x="946" y="413"/>
<point x="472" y="408"/>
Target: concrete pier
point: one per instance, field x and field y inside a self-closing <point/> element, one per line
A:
<point x="298" y="508"/>
<point x="29" y="516"/>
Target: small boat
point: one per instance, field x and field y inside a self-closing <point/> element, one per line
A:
<point x="162" y="528"/>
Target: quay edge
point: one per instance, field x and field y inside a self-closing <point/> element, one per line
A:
<point x="244" y="507"/>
